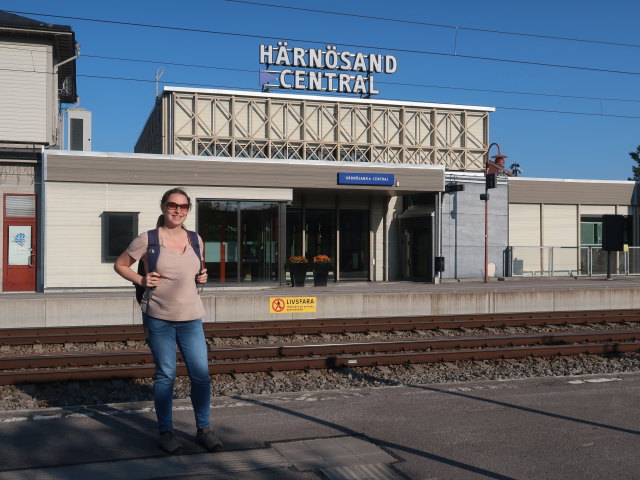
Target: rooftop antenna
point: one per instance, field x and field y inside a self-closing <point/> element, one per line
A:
<point x="159" y="74"/>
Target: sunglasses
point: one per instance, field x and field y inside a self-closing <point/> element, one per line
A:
<point x="173" y="206"/>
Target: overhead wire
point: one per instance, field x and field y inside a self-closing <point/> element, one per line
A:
<point x="439" y="25"/>
<point x="164" y="62"/>
<point x="496" y="106"/>
<point x="195" y="30"/>
<point x="385" y="82"/>
<point x="235" y="87"/>
<point x="355" y="45"/>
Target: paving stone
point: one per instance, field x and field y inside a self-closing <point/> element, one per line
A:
<point x="328" y="449"/>
<point x="376" y="457"/>
<point x="361" y="472"/>
<point x="357" y="445"/>
<point x="240" y="461"/>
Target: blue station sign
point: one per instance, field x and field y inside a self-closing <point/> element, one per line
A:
<point x="382" y="179"/>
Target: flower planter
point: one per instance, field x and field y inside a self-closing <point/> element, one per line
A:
<point x="321" y="274"/>
<point x="298" y="273"/>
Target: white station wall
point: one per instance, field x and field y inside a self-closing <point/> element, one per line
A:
<point x="532" y="226"/>
<point x="73" y="224"/>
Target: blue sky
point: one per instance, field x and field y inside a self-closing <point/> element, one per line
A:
<point x="544" y="144"/>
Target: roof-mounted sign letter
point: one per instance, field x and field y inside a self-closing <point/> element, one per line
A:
<point x="323" y="70"/>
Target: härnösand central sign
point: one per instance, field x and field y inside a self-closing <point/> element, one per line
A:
<point x="311" y="69"/>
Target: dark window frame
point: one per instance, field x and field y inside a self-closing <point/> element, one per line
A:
<point x="107" y="234"/>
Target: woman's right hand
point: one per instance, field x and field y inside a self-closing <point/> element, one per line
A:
<point x="150" y="280"/>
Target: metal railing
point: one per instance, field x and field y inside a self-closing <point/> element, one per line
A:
<point x="570" y="261"/>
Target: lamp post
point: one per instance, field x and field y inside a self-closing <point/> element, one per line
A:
<point x="490" y="181"/>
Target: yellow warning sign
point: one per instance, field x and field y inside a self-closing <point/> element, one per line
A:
<point x="292" y="304"/>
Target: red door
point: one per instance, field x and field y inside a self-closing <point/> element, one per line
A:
<point x="19" y="240"/>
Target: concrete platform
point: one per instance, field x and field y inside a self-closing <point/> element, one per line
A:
<point x="560" y="428"/>
<point x="345" y="299"/>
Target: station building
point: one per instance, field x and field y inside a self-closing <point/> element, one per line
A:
<point x="274" y="175"/>
<point x="37" y="75"/>
<point x="382" y="187"/>
<point x="390" y="190"/>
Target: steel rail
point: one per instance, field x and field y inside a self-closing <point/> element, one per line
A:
<point x="52" y="362"/>
<point x="434" y="343"/>
<point x="58" y="360"/>
<point x="280" y="364"/>
<point x="51" y="335"/>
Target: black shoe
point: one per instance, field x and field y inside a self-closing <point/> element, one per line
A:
<point x="168" y="442"/>
<point x="207" y="439"/>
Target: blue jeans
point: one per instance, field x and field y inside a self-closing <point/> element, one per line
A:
<point x="162" y="338"/>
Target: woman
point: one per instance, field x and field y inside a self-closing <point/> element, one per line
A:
<point x="172" y="315"/>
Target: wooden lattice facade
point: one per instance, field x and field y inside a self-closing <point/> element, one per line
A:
<point x="257" y="125"/>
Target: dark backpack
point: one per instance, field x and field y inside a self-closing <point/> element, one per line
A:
<point x="153" y="252"/>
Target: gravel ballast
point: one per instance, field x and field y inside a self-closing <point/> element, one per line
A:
<point x="61" y="394"/>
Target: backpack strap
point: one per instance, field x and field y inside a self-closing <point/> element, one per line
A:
<point x="195" y="244"/>
<point x="153" y="252"/>
<point x="153" y="249"/>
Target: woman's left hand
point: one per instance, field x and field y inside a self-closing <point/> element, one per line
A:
<point x="202" y="276"/>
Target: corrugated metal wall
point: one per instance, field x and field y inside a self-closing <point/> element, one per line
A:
<point x="26" y="92"/>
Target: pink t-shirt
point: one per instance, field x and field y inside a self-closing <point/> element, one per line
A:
<point x="176" y="296"/>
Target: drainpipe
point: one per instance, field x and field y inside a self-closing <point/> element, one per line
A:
<point x="385" y="242"/>
<point x="40" y="224"/>
<point x="70" y="59"/>
<point x="55" y="76"/>
<point x="440" y="201"/>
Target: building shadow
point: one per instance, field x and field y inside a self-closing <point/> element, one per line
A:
<point x="378" y="441"/>
<point x="468" y="396"/>
<point x="421" y="453"/>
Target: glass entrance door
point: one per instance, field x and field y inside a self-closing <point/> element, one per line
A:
<point x="320" y="233"/>
<point x="218" y="227"/>
<point x="241" y="240"/>
<point x="259" y="242"/>
<point x="416" y="249"/>
<point x="319" y="237"/>
<point x="354" y="244"/>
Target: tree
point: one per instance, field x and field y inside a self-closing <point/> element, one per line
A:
<point x="636" y="168"/>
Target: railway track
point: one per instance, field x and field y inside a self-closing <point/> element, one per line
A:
<point x="68" y="366"/>
<point x="53" y="335"/>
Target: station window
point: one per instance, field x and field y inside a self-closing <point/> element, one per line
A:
<point x="591" y="231"/>
<point x="118" y="230"/>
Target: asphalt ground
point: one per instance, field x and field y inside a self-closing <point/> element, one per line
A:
<point x="585" y="427"/>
